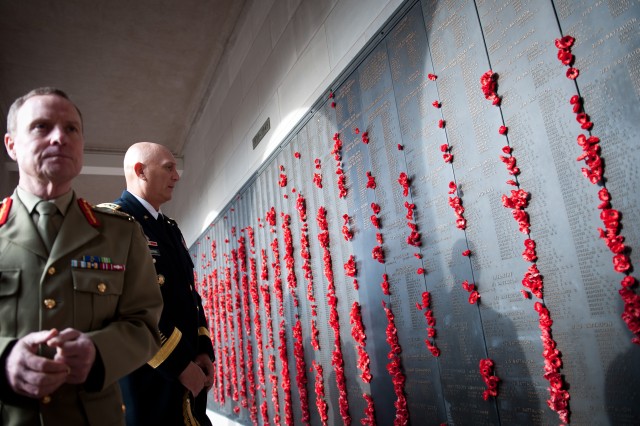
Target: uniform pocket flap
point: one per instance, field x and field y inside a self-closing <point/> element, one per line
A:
<point x="97" y="282"/>
<point x="9" y="281"/>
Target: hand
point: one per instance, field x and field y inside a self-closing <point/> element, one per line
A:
<point x="30" y="374"/>
<point x="76" y="350"/>
<point x="192" y="378"/>
<point x="204" y="362"/>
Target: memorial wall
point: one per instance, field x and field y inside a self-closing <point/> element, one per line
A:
<point x="450" y="237"/>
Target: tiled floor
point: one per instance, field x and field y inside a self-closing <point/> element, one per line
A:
<point x="218" y="420"/>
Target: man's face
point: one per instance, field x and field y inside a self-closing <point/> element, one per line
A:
<point x="162" y="176"/>
<point x="47" y="142"/>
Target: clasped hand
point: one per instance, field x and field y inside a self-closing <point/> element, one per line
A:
<point x="35" y="376"/>
<point x="198" y="375"/>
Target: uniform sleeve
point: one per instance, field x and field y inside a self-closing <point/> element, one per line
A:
<point x="132" y="338"/>
<point x="182" y="338"/>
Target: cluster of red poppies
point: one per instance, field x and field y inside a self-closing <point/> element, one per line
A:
<point x="350" y="270"/>
<point x="301" y="377"/>
<point x="232" y="359"/>
<point x="610" y="217"/>
<point x="308" y="273"/>
<point x="266" y="299"/>
<point x="255" y="298"/>
<point x="403" y="180"/>
<point x="431" y="323"/>
<point x="321" y="404"/>
<point x="472" y="290"/>
<point x="283" y="180"/>
<point x="518" y="202"/>
<point x="337" y="360"/>
<point x="289" y="263"/>
<point x="394" y="367"/>
<point x="273" y="378"/>
<point x="489" y="86"/>
<point x="369" y="412"/>
<point x="508" y="159"/>
<point x="446" y="153"/>
<point x="558" y="396"/>
<point x="385" y="285"/>
<point x="565" y="56"/>
<point x="347" y="233"/>
<point x="455" y="203"/>
<point x="371" y="181"/>
<point x="218" y="393"/>
<point x="246" y="316"/>
<point x="286" y="381"/>
<point x="301" y="207"/>
<point x="490" y="379"/>
<point x="337" y="155"/>
<point x="358" y="334"/>
<point x="237" y="313"/>
<point x="277" y="276"/>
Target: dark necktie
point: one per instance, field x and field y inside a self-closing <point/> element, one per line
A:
<point x="46" y="227"/>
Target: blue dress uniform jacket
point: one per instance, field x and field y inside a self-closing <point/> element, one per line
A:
<point x="153" y="394"/>
<point x="118" y="308"/>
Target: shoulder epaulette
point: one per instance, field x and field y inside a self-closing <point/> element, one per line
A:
<point x="113" y="209"/>
<point x="87" y="210"/>
<point x="5" y="207"/>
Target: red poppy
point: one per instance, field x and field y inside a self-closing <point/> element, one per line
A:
<point x="503" y="130"/>
<point x="432" y="77"/>
<point x="565" y="42"/>
<point x="565" y="56"/>
<point x="573" y="73"/>
<point x="436" y="104"/>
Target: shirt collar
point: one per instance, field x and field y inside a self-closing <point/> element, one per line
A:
<point x="30" y="200"/>
<point x="146" y="205"/>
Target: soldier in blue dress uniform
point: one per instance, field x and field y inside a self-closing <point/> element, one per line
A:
<point x="172" y="388"/>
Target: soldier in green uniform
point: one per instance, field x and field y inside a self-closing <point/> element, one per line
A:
<point x="79" y="303"/>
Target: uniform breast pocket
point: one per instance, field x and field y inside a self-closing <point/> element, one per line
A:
<point x="9" y="286"/>
<point x="96" y="297"/>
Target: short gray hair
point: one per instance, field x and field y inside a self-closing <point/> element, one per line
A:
<point x="12" y="117"/>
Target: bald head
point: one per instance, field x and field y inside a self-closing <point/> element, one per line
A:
<point x="150" y="171"/>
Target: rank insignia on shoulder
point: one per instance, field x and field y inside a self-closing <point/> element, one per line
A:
<point x="152" y="243"/>
<point x="5" y="207"/>
<point x="112" y="208"/>
<point x="96" y="262"/>
<point x="87" y="210"/>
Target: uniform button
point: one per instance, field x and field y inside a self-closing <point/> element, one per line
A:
<point x="49" y="303"/>
<point x="46" y="399"/>
<point x="160" y="279"/>
<point x="154" y="261"/>
<point x="51" y="270"/>
<point x="123" y="408"/>
<point x="102" y="287"/>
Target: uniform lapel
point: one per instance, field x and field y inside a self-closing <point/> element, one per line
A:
<point x="74" y="232"/>
<point x="20" y="229"/>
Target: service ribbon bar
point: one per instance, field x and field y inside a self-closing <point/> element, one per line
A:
<point x="96" y="262"/>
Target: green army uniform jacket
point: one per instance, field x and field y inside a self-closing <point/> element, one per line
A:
<point x="118" y="305"/>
